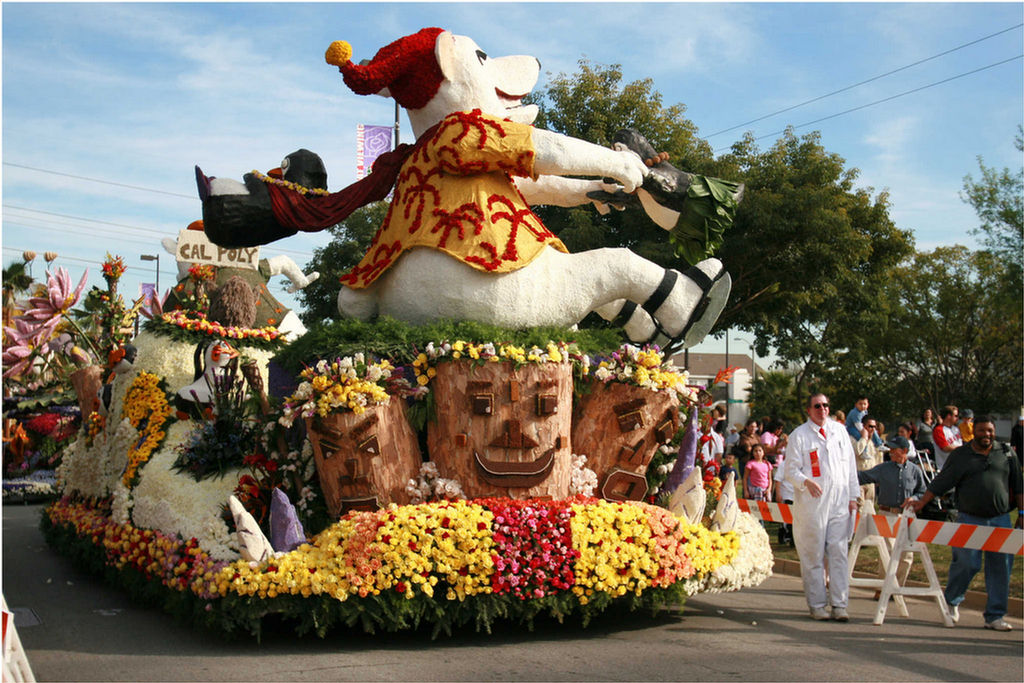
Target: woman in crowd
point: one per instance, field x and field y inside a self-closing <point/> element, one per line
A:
<point x="748" y="439"/>
<point x="907" y="431"/>
<point x="774" y="440"/>
<point x="925" y="425"/>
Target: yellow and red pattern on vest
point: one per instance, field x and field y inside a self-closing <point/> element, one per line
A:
<point x="455" y="193"/>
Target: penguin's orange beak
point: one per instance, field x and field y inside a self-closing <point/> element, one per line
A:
<point x="225" y="351"/>
<point x="276" y="173"/>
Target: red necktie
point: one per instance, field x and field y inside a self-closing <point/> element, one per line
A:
<point x="822" y="432"/>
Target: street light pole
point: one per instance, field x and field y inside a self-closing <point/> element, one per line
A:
<point x="154" y="257"/>
<point x="728" y="403"/>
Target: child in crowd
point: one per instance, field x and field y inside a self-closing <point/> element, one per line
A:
<point x="757" y="476"/>
<point x="728" y="465"/>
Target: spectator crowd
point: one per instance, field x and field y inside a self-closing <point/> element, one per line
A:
<point x="836" y="463"/>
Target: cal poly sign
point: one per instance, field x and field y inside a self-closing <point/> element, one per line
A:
<point x="195" y="247"/>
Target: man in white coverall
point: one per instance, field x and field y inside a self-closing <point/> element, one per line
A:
<point x="822" y="468"/>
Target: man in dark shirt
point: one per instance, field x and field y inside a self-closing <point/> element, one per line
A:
<point x="987" y="477"/>
<point x="898" y="483"/>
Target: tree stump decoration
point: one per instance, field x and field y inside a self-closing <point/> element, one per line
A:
<point x="502" y="430"/>
<point x="619" y="427"/>
<point x="364" y="461"/>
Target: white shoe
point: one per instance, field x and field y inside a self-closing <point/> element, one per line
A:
<point x="840" y="614"/>
<point x="998" y="625"/>
<point x="819" y="614"/>
<point x="954" y="612"/>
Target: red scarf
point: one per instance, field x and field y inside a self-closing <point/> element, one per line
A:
<point x="311" y="213"/>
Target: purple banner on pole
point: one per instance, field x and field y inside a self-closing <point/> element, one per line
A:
<point x="371" y="142"/>
<point x="148" y="290"/>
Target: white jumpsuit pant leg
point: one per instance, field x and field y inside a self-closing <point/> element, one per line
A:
<point x="820" y="530"/>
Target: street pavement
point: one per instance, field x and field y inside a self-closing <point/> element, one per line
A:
<point x="75" y="627"/>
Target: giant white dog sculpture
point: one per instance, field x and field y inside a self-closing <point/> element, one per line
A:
<point x="460" y="240"/>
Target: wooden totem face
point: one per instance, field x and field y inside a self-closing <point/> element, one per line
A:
<point x="619" y="427"/>
<point x="503" y="431"/>
<point x="364" y="461"/>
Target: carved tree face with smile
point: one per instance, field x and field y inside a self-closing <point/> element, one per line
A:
<point x="503" y="431"/>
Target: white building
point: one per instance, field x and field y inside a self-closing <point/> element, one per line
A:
<point x="703" y="368"/>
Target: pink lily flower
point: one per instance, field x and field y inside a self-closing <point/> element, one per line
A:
<point x="60" y="297"/>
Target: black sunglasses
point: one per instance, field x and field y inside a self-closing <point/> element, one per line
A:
<point x="819" y="405"/>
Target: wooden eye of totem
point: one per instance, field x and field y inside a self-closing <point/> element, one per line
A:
<point x="483" y="404"/>
<point x="629" y="414"/>
<point x="547" y="404"/>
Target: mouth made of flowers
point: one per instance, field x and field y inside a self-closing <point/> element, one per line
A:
<point x="515" y="473"/>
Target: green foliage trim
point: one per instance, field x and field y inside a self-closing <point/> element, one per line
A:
<point x="400" y="342"/>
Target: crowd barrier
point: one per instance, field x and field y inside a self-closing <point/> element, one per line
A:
<point x="894" y="535"/>
<point x="16" y="667"/>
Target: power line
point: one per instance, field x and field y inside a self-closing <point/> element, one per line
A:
<point x="163" y="233"/>
<point x="102" y="182"/>
<point x="885" y="99"/>
<point x="90" y="220"/>
<point x="855" y="85"/>
<point x="91" y="262"/>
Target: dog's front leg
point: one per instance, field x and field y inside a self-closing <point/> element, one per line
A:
<point x="560" y="155"/>
<point x="551" y="190"/>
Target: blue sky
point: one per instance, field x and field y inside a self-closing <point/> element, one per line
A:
<point x="136" y="94"/>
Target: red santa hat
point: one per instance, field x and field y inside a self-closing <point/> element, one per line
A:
<point x="406" y="67"/>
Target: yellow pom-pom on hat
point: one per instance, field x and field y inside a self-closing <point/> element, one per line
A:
<point x="339" y="53"/>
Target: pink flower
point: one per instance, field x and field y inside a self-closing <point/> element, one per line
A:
<point x="60" y="297"/>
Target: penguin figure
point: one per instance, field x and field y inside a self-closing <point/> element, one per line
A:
<point x="240" y="215"/>
<point x="210" y="365"/>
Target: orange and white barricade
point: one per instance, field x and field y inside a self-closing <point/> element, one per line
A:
<point x="16" y="668"/>
<point x="878" y="531"/>
<point x="906" y="534"/>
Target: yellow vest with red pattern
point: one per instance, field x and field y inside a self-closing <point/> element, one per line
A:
<point x="455" y="193"/>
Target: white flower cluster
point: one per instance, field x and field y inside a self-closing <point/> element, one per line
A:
<point x="646" y="368"/>
<point x="121" y="504"/>
<point x="432" y="486"/>
<point x="173" y="502"/>
<point x="582" y="479"/>
<point x="94" y="471"/>
<point x="753" y="563"/>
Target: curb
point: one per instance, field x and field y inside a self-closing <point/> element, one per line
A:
<point x="975" y="599"/>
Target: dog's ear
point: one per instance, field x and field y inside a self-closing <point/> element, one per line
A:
<point x="444" y="52"/>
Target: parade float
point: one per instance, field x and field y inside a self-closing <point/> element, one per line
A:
<point x="402" y="468"/>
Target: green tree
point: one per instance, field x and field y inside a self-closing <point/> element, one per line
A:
<point x="952" y="333"/>
<point x="998" y="199"/>
<point x="774" y="393"/>
<point x="807" y="254"/>
<point x="351" y="240"/>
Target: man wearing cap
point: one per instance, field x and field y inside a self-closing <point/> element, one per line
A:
<point x="820" y="465"/>
<point x="898" y="483"/>
<point x="987" y="477"/>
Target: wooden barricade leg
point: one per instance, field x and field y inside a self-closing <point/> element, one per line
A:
<point x="891" y="586"/>
<point x="15" y="662"/>
<point x="867" y="534"/>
